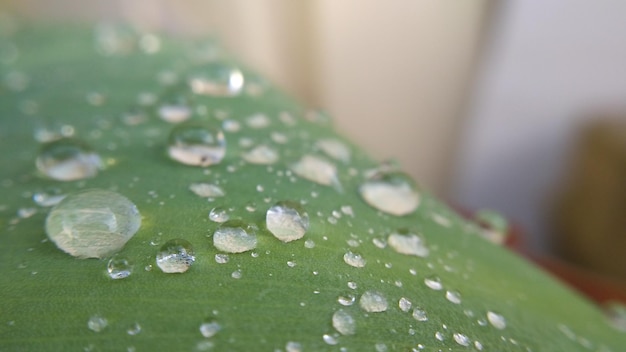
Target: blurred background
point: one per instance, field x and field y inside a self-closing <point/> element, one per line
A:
<point x="518" y="106"/>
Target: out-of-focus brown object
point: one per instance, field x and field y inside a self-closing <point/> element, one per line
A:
<point x="590" y="215"/>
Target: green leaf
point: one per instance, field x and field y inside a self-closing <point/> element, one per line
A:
<point x="55" y="76"/>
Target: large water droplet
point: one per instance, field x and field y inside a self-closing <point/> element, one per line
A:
<point x="287" y="221"/>
<point x="496" y="320"/>
<point x="262" y="155"/>
<point x="353" y="259"/>
<point x="335" y="149"/>
<point x="235" y="236"/>
<point x="217" y="79"/>
<point x="407" y="243"/>
<point x="92" y="223"/>
<point x="97" y="323"/>
<point x="209" y="329"/>
<point x="373" y="302"/>
<point x="317" y="170"/>
<point x="344" y="323"/>
<point x="392" y="193"/>
<point x="197" y="145"/>
<point x="175" y="256"/>
<point x="119" y="267"/>
<point x="461" y="339"/>
<point x="68" y="160"/>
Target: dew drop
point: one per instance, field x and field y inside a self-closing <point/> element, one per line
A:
<point x="258" y="121"/>
<point x="478" y="345"/>
<point x="330" y="339"/>
<point x="392" y="193"/>
<point x="68" y="160"/>
<point x="231" y="126"/>
<point x="419" y="314"/>
<point x="373" y="302"/>
<point x="381" y="347"/>
<point x="25" y="213"/>
<point x="433" y="282"/>
<point x="135" y="329"/>
<point x="344" y="323"/>
<point x="409" y="244"/>
<point x="404" y="304"/>
<point x="174" y="112"/>
<point x="217" y="79"/>
<point x="236" y="274"/>
<point x="209" y="329"/>
<point x="48" y="199"/>
<point x="496" y="320"/>
<point x="235" y="236"/>
<point x="175" y="256"/>
<point x="97" y="323"/>
<point x="461" y="339"/>
<point x="92" y="223"/>
<point x="261" y="155"/>
<point x="309" y="244"/>
<point x="439" y="336"/>
<point x="453" y="296"/>
<point x="317" y="170"/>
<point x="352" y="285"/>
<point x="207" y="190"/>
<point x="221" y="258"/>
<point x="119" y="267"/>
<point x="353" y="259"/>
<point x="293" y="346"/>
<point x="287" y="221"/>
<point x="494" y="226"/>
<point x="218" y="214"/>
<point x="346" y="300"/>
<point x="197" y="145"/>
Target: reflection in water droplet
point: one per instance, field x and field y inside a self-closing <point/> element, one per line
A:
<point x="353" y="259"/>
<point x="217" y="79"/>
<point x="404" y="304"/>
<point x="344" y="323"/>
<point x="453" y="296"/>
<point x="68" y="160"/>
<point x="235" y="236"/>
<point x="218" y="214"/>
<point x="261" y="155"/>
<point x="174" y="113"/>
<point x="92" y="223"/>
<point x="175" y="256"/>
<point x="197" y="145"/>
<point x="334" y="149"/>
<point x="373" y="302"/>
<point x="391" y="193"/>
<point x="119" y="267"/>
<point x="433" y="282"/>
<point x="409" y="244"/>
<point x="206" y="190"/>
<point x="97" y="323"/>
<point x="419" y="314"/>
<point x="317" y="170"/>
<point x="496" y="320"/>
<point x="209" y="329"/>
<point x="287" y="221"/>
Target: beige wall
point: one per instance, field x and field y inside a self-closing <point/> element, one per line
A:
<point x="393" y="73"/>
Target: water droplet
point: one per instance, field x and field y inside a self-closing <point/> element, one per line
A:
<point x="119" y="267"/>
<point x="207" y="190"/>
<point x="25" y="213"/>
<point x="309" y="244"/>
<point x="197" y="145"/>
<point x="217" y="79"/>
<point x="353" y="259"/>
<point x="218" y="214"/>
<point x="174" y="112"/>
<point x="175" y="256"/>
<point x="392" y="193"/>
<point x="97" y="323"/>
<point x="48" y="199"/>
<point x="134" y="329"/>
<point x="221" y="258"/>
<point x="258" y="121"/>
<point x="409" y="244"/>
<point x="373" y="302"/>
<point x="261" y="155"/>
<point x="419" y="314"/>
<point x="461" y="339"/>
<point x="433" y="282"/>
<point x="346" y="300"/>
<point x="496" y="320"/>
<point x="453" y="296"/>
<point x="236" y="274"/>
<point x="352" y="285"/>
<point x="478" y="345"/>
<point x="92" y="223"/>
<point x="404" y="304"/>
<point x="380" y="347"/>
<point x="330" y="339"/>
<point x="68" y="160"/>
<point x="235" y="236"/>
<point x="292" y="346"/>
<point x="334" y="149"/>
<point x="439" y="336"/>
<point x="231" y="126"/>
<point x="494" y="226"/>
<point x="344" y="323"/>
<point x="287" y="221"/>
<point x="317" y="170"/>
<point x="209" y="329"/>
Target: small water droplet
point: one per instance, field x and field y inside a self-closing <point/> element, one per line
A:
<point x="496" y="320"/>
<point x="439" y="336"/>
<point x="334" y="149"/>
<point x="217" y="79"/>
<point x="119" y="267"/>
<point x="236" y="274"/>
<point x="419" y="314"/>
<point x="293" y="346"/>
<point x="478" y="345"/>
<point x="373" y="302"/>
<point x="494" y="226"/>
<point x="175" y="256"/>
<point x="404" y="304"/>
<point x="210" y="328"/>
<point x="134" y="329"/>
<point x="461" y="339"/>
<point x="330" y="339"/>
<point x="207" y="190"/>
<point x="352" y="285"/>
<point x="453" y="296"/>
<point x="261" y="155"/>
<point x="231" y="126"/>
<point x="197" y="145"/>
<point x="346" y="300"/>
<point x="344" y="323"/>
<point x="25" y="213"/>
<point x="68" y="160"/>
<point x="353" y="259"/>
<point x="381" y="347"/>
<point x="92" y="223"/>
<point x="174" y="112"/>
<point x="316" y="169"/>
<point x="97" y="323"/>
<point x="287" y="221"/>
<point x="433" y="282"/>
<point x="218" y="214"/>
<point x="235" y="236"/>
<point x="408" y="243"/>
<point x="221" y="258"/>
<point x="258" y="121"/>
<point x="48" y="199"/>
<point x="392" y="193"/>
<point x="309" y="244"/>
